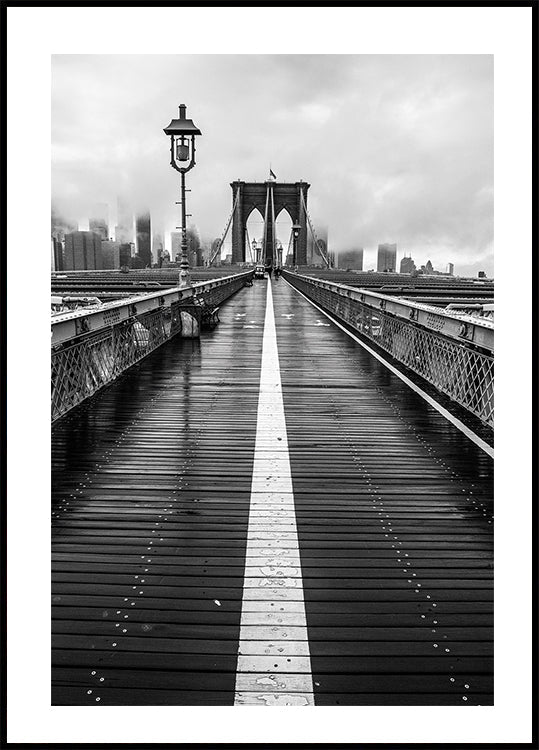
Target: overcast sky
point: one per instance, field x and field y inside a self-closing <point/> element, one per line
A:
<point x="397" y="148"/>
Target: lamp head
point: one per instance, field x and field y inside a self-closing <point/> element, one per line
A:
<point x="181" y="125"/>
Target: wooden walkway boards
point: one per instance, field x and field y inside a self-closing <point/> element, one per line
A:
<point x="152" y="484"/>
<point x="151" y="488"/>
<point x="394" y="519"/>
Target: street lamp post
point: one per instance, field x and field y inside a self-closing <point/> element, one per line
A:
<point x="182" y="134"/>
<point x="295" y="234"/>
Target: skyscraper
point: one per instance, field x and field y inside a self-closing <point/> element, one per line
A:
<point x="215" y="244"/>
<point x="407" y="265"/>
<point x="157" y="246"/>
<point x="143" y="229"/>
<point x="125" y="254"/>
<point x="60" y="226"/>
<point x="387" y="257"/>
<point x="110" y="252"/>
<point x="124" y="227"/>
<point x="194" y="250"/>
<point x="176" y="245"/>
<point x="351" y="259"/>
<point x="82" y="251"/>
<point x="57" y="259"/>
<point x="99" y="222"/>
<point x="450" y="269"/>
<point x="313" y="255"/>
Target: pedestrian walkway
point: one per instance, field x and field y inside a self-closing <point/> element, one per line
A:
<point x="204" y="554"/>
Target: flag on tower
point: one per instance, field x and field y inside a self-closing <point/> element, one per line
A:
<point x="272" y="174"/>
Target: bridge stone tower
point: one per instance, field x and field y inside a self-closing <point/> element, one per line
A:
<point x="270" y="198"/>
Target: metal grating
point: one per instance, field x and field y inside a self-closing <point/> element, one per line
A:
<point x="463" y="373"/>
<point x="81" y="368"/>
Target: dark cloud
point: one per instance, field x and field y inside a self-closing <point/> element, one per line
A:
<point x="396" y="148"/>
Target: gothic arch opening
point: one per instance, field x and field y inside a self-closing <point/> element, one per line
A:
<point x="255" y="232"/>
<point x="273" y="200"/>
<point x="283" y="230"/>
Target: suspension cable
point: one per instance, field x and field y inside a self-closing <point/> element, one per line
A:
<point x="223" y="236"/>
<point x="316" y="241"/>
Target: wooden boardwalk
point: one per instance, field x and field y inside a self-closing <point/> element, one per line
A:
<point x="152" y="487"/>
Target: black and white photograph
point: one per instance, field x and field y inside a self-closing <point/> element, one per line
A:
<point x="271" y="431"/>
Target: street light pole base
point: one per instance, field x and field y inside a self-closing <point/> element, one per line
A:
<point x="184" y="279"/>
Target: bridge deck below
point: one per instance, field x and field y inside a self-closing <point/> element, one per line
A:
<point x="152" y="485"/>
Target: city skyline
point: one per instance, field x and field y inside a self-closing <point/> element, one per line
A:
<point x="412" y="160"/>
<point x="159" y="242"/>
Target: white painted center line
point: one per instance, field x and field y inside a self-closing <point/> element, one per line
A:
<point x="274" y="663"/>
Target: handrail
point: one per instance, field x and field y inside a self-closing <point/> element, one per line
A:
<point x="465" y="328"/>
<point x="70" y="325"/>
<point x="451" y="351"/>
<point x="91" y="348"/>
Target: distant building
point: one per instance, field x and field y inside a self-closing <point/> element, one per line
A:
<point x="137" y="262"/>
<point x="407" y="265"/>
<point x="481" y="275"/>
<point x="450" y="269"/>
<point x="387" y="257"/>
<point x="82" y="251"/>
<point x="313" y="254"/>
<point x="351" y="259"/>
<point x="57" y="259"/>
<point x="60" y="226"/>
<point x="99" y="222"/>
<point x="143" y="229"/>
<point x="175" y="245"/>
<point x="320" y="247"/>
<point x="125" y="254"/>
<point x="214" y="246"/>
<point x="194" y="249"/>
<point x="124" y="227"/>
<point x="110" y="251"/>
<point x="157" y="247"/>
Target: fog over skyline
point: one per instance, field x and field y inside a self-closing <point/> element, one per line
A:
<point x="397" y="148"/>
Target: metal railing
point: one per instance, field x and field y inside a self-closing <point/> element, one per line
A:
<point x="452" y="351"/>
<point x="91" y="348"/>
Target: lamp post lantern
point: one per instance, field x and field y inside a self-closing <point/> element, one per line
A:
<point x="182" y="134"/>
<point x="295" y="234"/>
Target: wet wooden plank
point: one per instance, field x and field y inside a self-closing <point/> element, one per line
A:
<point x="398" y="477"/>
<point x="151" y="487"/>
<point x="130" y="469"/>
